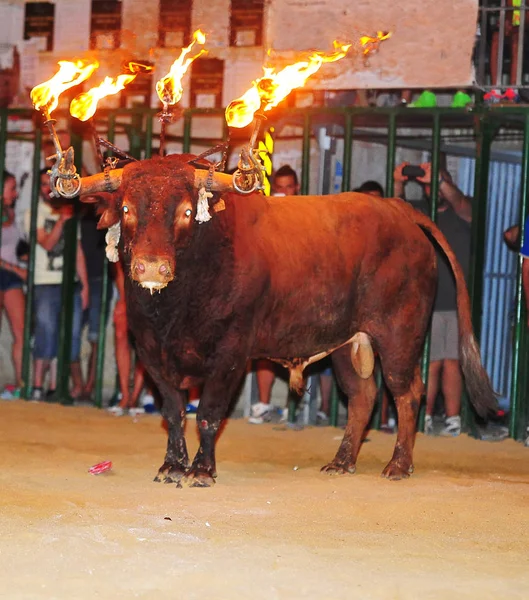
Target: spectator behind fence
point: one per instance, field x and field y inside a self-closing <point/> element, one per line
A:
<point x="124" y="349"/>
<point x="93" y="244"/>
<point x="49" y="253"/>
<point x="454" y="214"/>
<point x="12" y="277"/>
<point x="285" y="183"/>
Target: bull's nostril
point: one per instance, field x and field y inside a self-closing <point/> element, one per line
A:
<point x="140" y="267"/>
<point x="163" y="269"/>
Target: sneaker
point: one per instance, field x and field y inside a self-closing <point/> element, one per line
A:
<point x="10" y="392"/>
<point x="322" y="418"/>
<point x="260" y="413"/>
<point x="117" y="411"/>
<point x="136" y="410"/>
<point x="148" y="404"/>
<point x="192" y="407"/>
<point x="37" y="394"/>
<point x="452" y="427"/>
<point x="428" y="425"/>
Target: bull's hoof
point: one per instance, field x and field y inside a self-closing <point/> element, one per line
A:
<point x="170" y="474"/>
<point x="335" y="468"/>
<point x="394" y="471"/>
<point x="197" y="477"/>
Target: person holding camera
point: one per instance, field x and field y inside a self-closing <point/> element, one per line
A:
<point x="454" y="214"/>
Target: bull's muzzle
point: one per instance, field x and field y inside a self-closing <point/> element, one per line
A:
<point x="153" y="274"/>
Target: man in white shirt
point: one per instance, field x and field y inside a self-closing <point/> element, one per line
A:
<point x="49" y="253"/>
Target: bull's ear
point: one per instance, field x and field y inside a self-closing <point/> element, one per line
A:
<point x="109" y="217"/>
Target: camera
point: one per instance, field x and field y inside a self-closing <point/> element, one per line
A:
<point x="412" y="171"/>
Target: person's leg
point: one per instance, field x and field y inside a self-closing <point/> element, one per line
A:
<point x="434" y="380"/>
<point x="326" y="390"/>
<point x="452" y="386"/>
<point x="139" y="380"/>
<point x="265" y="375"/>
<point x="122" y="349"/>
<point x="46" y="325"/>
<point x="14" y="302"/>
<point x="91" y="371"/>
<point x="452" y="378"/>
<point x="265" y="380"/>
<point x="75" y="362"/>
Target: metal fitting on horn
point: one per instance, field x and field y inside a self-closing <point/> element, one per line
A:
<point x="218" y="182"/>
<point x="109" y="181"/>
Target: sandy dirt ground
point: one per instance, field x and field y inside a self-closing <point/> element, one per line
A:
<point x="272" y="527"/>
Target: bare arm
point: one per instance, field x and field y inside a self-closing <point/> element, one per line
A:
<point x="511" y="237"/>
<point x="457" y="200"/>
<point x="461" y="205"/>
<point x="20" y="271"/>
<point x="399" y="180"/>
<point x="48" y="240"/>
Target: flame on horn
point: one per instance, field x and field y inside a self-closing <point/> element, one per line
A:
<point x="268" y="91"/>
<point x="84" y="106"/>
<point x="169" y="88"/>
<point x="45" y="96"/>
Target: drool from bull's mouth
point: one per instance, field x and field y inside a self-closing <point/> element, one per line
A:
<point x="153" y="286"/>
<point x="246" y="285"/>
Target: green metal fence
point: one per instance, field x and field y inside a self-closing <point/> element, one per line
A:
<point x="137" y="128"/>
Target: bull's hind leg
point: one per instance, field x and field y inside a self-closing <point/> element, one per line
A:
<point x="401" y="464"/>
<point x="176" y="460"/>
<point x="361" y="393"/>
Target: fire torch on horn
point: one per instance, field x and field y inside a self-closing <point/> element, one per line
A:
<point x="266" y="93"/>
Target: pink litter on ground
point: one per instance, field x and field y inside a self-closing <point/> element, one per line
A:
<point x="100" y="467"/>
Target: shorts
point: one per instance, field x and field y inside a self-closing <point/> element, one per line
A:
<point x="444" y="341"/>
<point x="92" y="315"/>
<point x="47" y="314"/>
<point x="9" y="281"/>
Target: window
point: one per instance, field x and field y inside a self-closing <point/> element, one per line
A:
<point x="246" y="25"/>
<point x="38" y="23"/>
<point x="175" y="23"/>
<point x="105" y="30"/>
<point x="207" y="80"/>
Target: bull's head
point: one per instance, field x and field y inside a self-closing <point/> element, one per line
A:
<point x="155" y="204"/>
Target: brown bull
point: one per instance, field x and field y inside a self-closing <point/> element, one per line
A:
<point x="292" y="279"/>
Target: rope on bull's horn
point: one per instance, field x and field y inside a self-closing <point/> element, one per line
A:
<point x="114" y="231"/>
<point x="204" y="194"/>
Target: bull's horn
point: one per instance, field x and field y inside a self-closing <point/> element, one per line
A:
<point x="102" y="182"/>
<point x="220" y="182"/>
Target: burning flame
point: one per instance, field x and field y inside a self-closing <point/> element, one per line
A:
<point x="84" y="106"/>
<point x="274" y="87"/>
<point x="45" y="96"/>
<point x="134" y="67"/>
<point x="169" y="88"/>
<point x="370" y="44"/>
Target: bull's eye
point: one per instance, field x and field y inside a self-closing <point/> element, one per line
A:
<point x="188" y="212"/>
<point x="125" y="209"/>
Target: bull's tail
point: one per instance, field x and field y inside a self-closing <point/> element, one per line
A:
<point x="477" y="381"/>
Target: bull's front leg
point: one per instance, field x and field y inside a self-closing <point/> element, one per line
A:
<point x="215" y="400"/>
<point x="176" y="460"/>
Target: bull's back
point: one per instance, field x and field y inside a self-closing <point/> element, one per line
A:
<point x="335" y="263"/>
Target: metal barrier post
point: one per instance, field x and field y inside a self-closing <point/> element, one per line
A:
<point x="485" y="135"/>
<point x="30" y="293"/>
